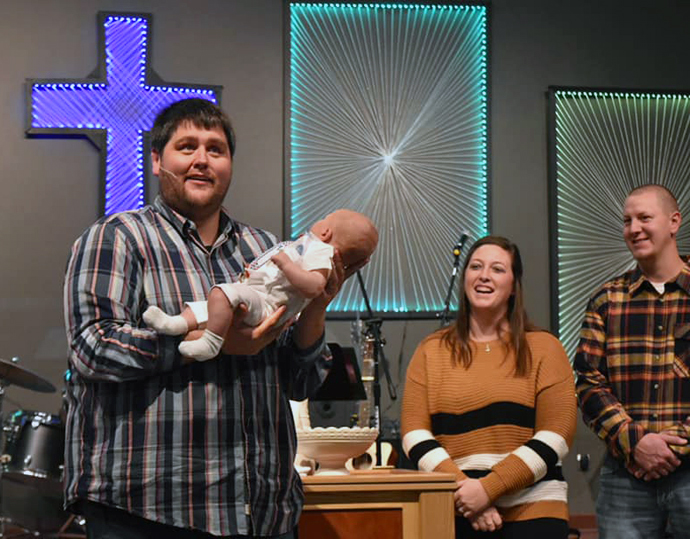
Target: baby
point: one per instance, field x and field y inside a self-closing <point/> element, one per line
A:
<point x="290" y="274"/>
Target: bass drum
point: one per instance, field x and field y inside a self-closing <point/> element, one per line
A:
<point x="32" y="461"/>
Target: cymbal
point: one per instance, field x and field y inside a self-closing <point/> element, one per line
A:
<point x="14" y="374"/>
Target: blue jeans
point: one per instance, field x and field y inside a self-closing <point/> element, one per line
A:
<point x="629" y="508"/>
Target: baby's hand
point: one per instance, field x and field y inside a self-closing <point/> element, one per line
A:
<point x="280" y="260"/>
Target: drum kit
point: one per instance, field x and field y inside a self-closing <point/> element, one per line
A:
<point x="31" y="464"/>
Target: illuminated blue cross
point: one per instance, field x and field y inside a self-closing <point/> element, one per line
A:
<point x="117" y="105"/>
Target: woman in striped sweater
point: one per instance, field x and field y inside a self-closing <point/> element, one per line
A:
<point x="492" y="401"/>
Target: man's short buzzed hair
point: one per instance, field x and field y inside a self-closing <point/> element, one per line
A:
<point x="667" y="198"/>
<point x="199" y="112"/>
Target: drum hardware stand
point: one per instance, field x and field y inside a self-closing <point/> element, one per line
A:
<point x="5" y="459"/>
<point x="62" y="533"/>
<point x="374" y="329"/>
<point x="457" y="250"/>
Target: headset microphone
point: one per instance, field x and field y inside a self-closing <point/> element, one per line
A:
<point x="170" y="172"/>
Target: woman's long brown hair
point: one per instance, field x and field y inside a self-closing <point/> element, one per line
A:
<point x="457" y="337"/>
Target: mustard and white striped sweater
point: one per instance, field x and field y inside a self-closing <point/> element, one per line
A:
<point x="484" y="422"/>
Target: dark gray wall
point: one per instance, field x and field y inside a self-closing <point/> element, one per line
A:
<point x="50" y="189"/>
<point x="50" y="186"/>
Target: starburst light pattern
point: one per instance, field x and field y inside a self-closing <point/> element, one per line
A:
<point x="388" y="116"/>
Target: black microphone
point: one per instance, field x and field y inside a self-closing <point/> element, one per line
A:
<point x="464" y="235"/>
<point x="461" y="243"/>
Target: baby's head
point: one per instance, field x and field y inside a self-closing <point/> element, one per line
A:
<point x="351" y="233"/>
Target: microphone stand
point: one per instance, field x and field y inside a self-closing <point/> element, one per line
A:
<point x="445" y="315"/>
<point x="374" y="329"/>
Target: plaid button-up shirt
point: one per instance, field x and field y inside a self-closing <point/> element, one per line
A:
<point x="208" y="446"/>
<point x="633" y="361"/>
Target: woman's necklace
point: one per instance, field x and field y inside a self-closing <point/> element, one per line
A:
<point x="487" y="344"/>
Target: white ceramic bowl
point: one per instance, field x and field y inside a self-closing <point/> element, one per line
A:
<point x="331" y="447"/>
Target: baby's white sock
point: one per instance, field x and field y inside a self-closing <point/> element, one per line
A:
<point x="205" y="347"/>
<point x="164" y="323"/>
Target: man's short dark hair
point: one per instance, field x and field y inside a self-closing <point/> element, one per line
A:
<point x="665" y="195"/>
<point x="199" y="112"/>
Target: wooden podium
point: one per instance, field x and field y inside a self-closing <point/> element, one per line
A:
<point x="379" y="504"/>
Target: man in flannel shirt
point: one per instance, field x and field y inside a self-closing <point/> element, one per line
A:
<point x="633" y="383"/>
<point x="158" y="445"/>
